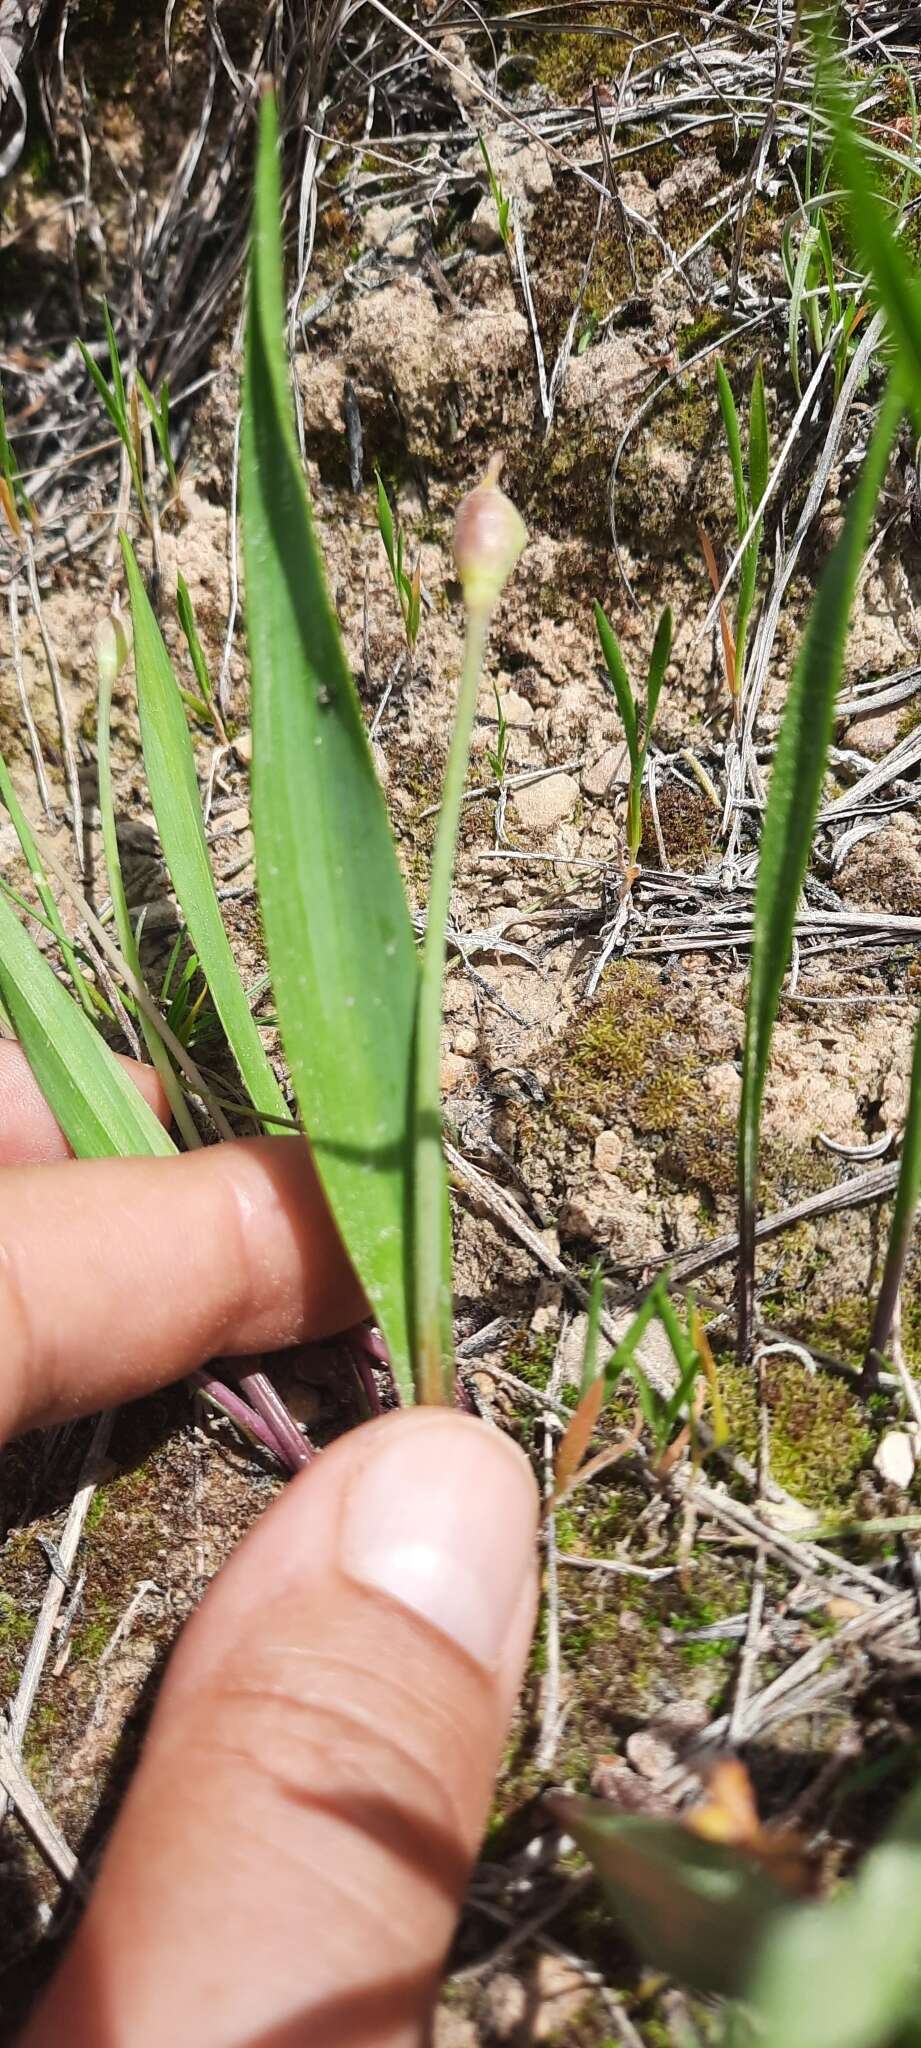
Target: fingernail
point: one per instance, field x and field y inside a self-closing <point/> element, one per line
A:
<point x="442" y="1518"/>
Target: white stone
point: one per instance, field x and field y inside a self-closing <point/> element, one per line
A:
<point x="896" y="1456"/>
<point x="540" y="806"/>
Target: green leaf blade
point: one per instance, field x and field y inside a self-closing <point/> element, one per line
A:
<point x="337" y="926"/>
<point x="792" y="807"/>
<point x="170" y="766"/>
<point x="99" y="1109"/>
<point x="694" y="1908"/>
<point x="620" y="681"/>
<point x="734" y="445"/>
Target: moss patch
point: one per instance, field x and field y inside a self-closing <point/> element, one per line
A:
<point x="820" y="1438"/>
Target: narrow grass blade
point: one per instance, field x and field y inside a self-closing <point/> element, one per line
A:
<point x="805" y="264"/>
<point x="123" y="924"/>
<point x="340" y="942"/>
<point x="98" y="1108"/>
<point x="385" y="524"/>
<point x="118" y="382"/>
<point x="171" y="778"/>
<point x="734" y="444"/>
<point x="43" y="890"/>
<point x="789" y="821"/>
<point x="190" y="631"/>
<point x="620" y="682"/>
<point x="907" y="1193"/>
<point x="658" y="663"/>
<point x="431" y="1240"/>
<point x="897" y="282"/>
<point x="103" y="387"/>
<point x="758" y="439"/>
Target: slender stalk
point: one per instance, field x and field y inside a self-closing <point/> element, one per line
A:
<point x="431" y="1296"/>
<point x="903" y="1216"/>
<point x="291" y="1446"/>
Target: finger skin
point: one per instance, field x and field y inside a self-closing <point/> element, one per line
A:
<point x="29" y="1135"/>
<point x="292" y="1854"/>
<point x="119" y="1275"/>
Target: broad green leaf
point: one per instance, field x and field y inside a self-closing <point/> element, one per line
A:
<point x="339" y="937"/>
<point x="99" y="1109"/>
<point x="171" y="778"/>
<point x="620" y="682"/>
<point x="658" y="664"/>
<point x="694" y="1908"/>
<point x="793" y="801"/>
<point x="734" y="444"/>
<point x="846" y="1974"/>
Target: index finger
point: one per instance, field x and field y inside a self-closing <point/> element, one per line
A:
<point x="29" y="1135"/>
<point x="120" y="1275"/>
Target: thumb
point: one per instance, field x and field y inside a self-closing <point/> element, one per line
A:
<point x="293" y="1852"/>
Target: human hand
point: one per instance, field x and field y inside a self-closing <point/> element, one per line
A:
<point x="293" y="1850"/>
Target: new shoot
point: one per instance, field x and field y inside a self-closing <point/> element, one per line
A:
<point x="632" y="709"/>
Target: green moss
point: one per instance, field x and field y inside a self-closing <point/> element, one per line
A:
<point x="531" y="1358"/>
<point x="688" y="823"/>
<point x="16" y="1627"/>
<point x="708" y="326"/>
<point x="819" y="1433"/>
<point x="561" y="484"/>
<point x="569" y="63"/>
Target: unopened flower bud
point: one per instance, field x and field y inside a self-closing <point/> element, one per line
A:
<point x="111" y="648"/>
<point x="489" y="535"/>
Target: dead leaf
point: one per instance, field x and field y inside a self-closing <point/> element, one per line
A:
<point x="575" y="1442"/>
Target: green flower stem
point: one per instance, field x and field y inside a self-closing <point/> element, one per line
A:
<point x="432" y="1305"/>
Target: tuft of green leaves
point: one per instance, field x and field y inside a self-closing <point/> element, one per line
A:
<point x="204" y="705"/>
<point x="122" y="410"/>
<point x="749" y="485"/>
<point x="159" y="415"/>
<point x="631" y="708"/>
<point x="408" y="587"/>
<point x="500" y="198"/>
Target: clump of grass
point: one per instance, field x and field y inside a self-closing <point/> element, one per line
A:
<point x="408" y="585"/>
<point x="632" y="709"/>
<point x="749" y="483"/>
<point x="500" y="200"/>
